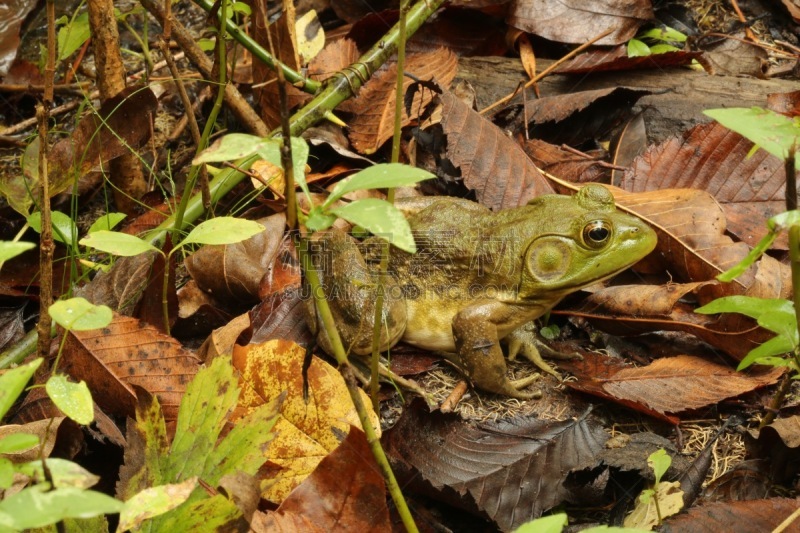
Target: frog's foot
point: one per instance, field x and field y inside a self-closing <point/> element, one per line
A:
<point x="514" y="388"/>
<point x="523" y="340"/>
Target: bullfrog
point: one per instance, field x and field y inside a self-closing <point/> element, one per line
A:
<point x="478" y="277"/>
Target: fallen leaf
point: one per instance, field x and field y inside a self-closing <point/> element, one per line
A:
<point x="753" y="515"/>
<point x="491" y="164"/>
<point x="615" y="59"/>
<point x="512" y="471"/>
<point x="307" y="431"/>
<point x="573" y="21"/>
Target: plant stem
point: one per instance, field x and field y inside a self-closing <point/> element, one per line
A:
<point x="385" y="248"/>
<point x="305" y="84"/>
<point x="329" y="323"/>
<point x="46" y="244"/>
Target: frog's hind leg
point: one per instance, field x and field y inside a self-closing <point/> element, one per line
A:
<point x="350" y="288"/>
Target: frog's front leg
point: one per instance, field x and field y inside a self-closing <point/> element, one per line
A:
<point x="478" y="348"/>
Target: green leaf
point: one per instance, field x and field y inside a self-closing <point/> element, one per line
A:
<point x="154" y="501"/>
<point x="546" y="524"/>
<point x="205" y="406"/>
<point x="36" y="507"/>
<point x="637" y="48"/>
<point x="782" y="221"/>
<point x="659" y="462"/>
<point x="663" y="48"/>
<point x="241" y="7"/>
<point x="775" y="133"/>
<point x="80" y="315"/>
<point x="775" y="346"/>
<point x="216" y="513"/>
<point x="223" y="230"/>
<point x="206" y="45"/>
<point x="9" y="250"/>
<point x="382" y="219"/>
<point x="145" y="465"/>
<point x="379" y="177"/>
<point x="107" y="222"/>
<point x="13" y="381"/>
<point x="318" y="221"/>
<point x="61" y="472"/>
<point x="116" y="243"/>
<point x="74" y="399"/>
<point x="272" y="153"/>
<point x="664" y="34"/>
<point x="64" y="229"/>
<point x="746" y="305"/>
<point x="780" y="322"/>
<point x="6" y="475"/>
<point x="231" y="147"/>
<point x="18" y="442"/>
<point x="73" y="35"/>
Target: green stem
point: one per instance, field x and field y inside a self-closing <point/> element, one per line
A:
<point x="385" y="248"/>
<point x="323" y="310"/>
<point x="305" y="84"/>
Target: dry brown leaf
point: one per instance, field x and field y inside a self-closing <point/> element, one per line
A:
<point x="46" y="430"/>
<point x="345" y="492"/>
<point x="617" y="59"/>
<point x="511" y="470"/>
<point x="693" y="246"/>
<point x="306" y="432"/>
<point x="566" y="164"/>
<point x="575" y="21"/>
<point x="683" y="383"/>
<point x="129" y="352"/>
<point x="575" y="118"/>
<point x="715" y="159"/>
<point x="491" y="164"/>
<point x="374" y="106"/>
<point x="232" y="273"/>
<point x="749" y="516"/>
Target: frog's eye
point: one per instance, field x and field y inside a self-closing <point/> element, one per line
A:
<point x="596" y="233"/>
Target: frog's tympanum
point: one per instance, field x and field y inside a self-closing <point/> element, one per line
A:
<point x="478" y="277"/>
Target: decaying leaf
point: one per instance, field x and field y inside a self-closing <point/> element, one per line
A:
<point x="749" y="188"/>
<point x="512" y="471"/>
<point x="491" y="164"/>
<point x="617" y="59"/>
<point x="374" y="106"/>
<point x="307" y="431"/>
<point x="669" y="385"/>
<point x="573" y="21"/>
<point x="126" y="353"/>
<point x="345" y="492"/>
<point x="758" y="515"/>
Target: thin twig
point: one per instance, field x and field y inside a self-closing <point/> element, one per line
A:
<point x="549" y="69"/>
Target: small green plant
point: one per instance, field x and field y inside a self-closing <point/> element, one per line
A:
<point x="780" y="136"/>
<point x="376" y="216"/>
<point x="221" y="230"/>
<point x="656" y="41"/>
<point x="661" y="500"/>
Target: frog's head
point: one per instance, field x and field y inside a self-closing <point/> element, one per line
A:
<point x="584" y="240"/>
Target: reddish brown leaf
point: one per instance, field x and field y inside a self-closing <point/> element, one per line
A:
<point x="125" y="353"/>
<point x="151" y="307"/>
<point x="676" y="384"/>
<point x="743" y="517"/>
<point x="467" y="32"/>
<point x="491" y="164"/>
<point x="788" y="429"/>
<point x="566" y="164"/>
<point x="785" y="103"/>
<point x="11" y="18"/>
<point x="573" y="21"/>
<point x="749" y="480"/>
<point x="735" y="57"/>
<point x="715" y="159"/>
<point x="374" y="106"/>
<point x="281" y="315"/>
<point x="512" y="471"/>
<point x="345" y="491"/>
<point x="627" y="145"/>
<point x="617" y="59"/>
<point x="121" y="287"/>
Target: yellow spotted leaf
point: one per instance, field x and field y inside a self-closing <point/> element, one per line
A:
<point x="306" y="432"/>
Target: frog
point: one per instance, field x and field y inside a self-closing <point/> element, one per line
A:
<point x="478" y="280"/>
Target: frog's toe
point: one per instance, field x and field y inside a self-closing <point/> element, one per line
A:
<point x="524" y="382"/>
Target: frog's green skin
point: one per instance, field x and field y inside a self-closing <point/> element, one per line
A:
<point x="478" y="277"/>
